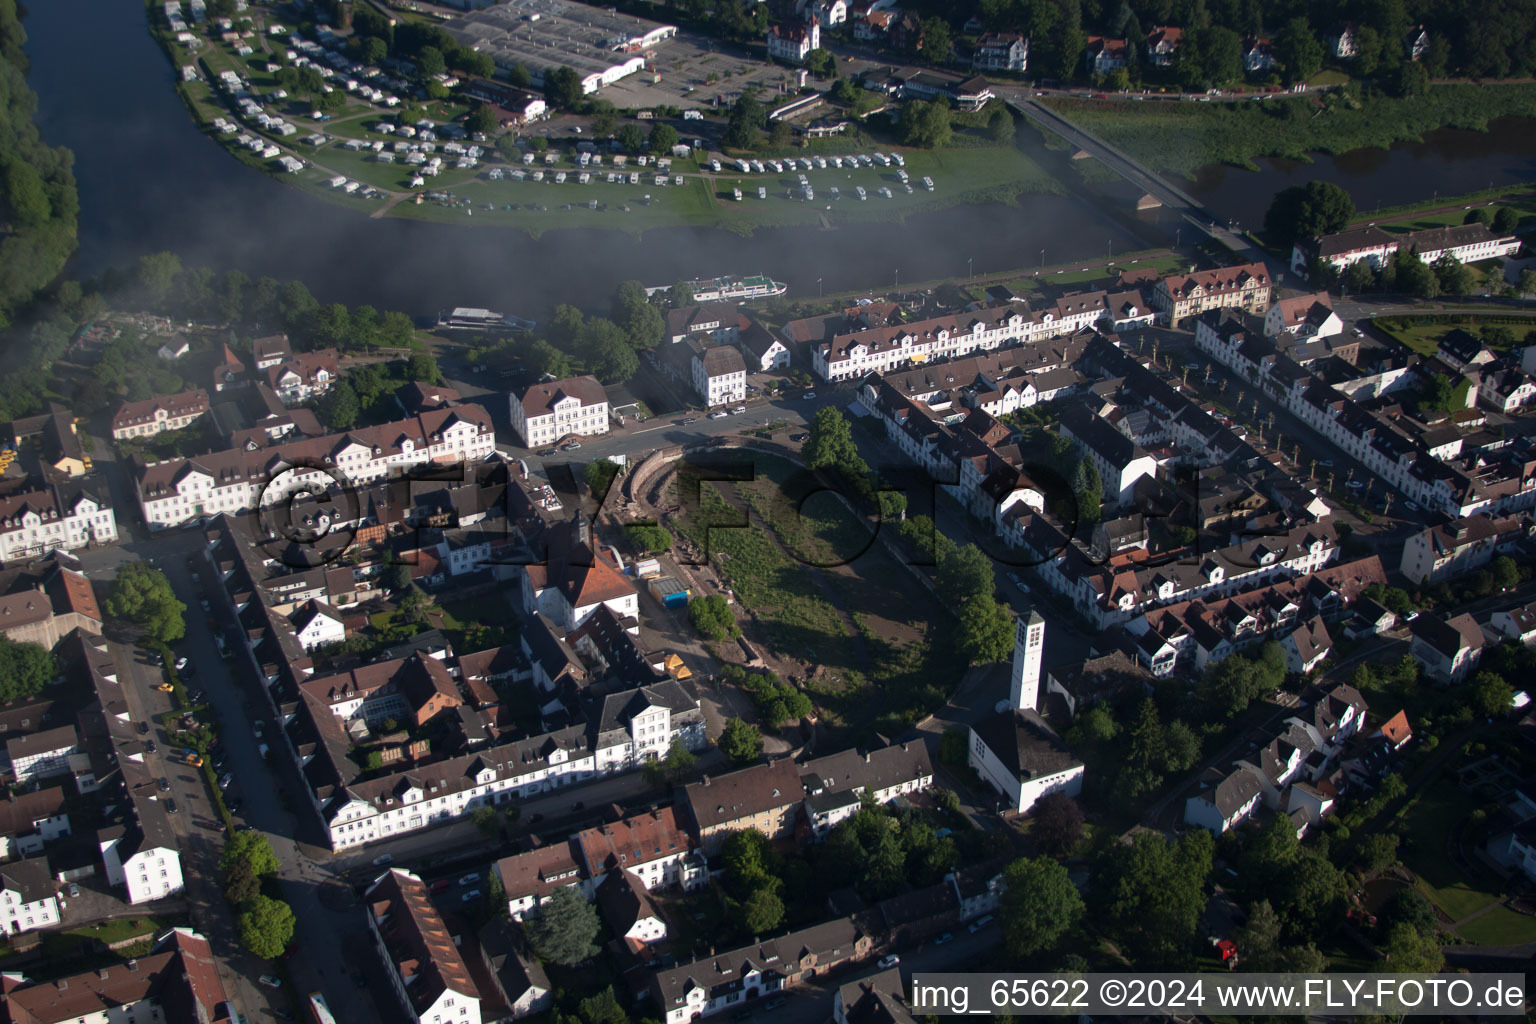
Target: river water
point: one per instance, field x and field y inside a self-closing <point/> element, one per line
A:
<point x="150" y="181"/>
<point x="1449" y="161"/>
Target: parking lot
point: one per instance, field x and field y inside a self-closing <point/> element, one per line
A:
<point x="684" y="65"/>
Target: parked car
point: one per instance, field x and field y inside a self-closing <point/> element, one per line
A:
<point x="165" y="787"/>
<point x="441" y="884"/>
<point x="234" y="808"/>
<point x="470" y="879"/>
<point x="470" y="896"/>
<point x="887" y="962"/>
<point x="570" y="446"/>
<point x="808" y="396"/>
<point x="226" y="780"/>
<point x="170" y="805"/>
<point x="980" y="923"/>
<point x="73" y="890"/>
<point x="379" y="862"/>
<point x="946" y="937"/>
<point x="776" y="1003"/>
<point x="800" y="437"/>
<point x="149" y="746"/>
<point x="718" y="415"/>
<point x="143" y="728"/>
<point x="546" y="453"/>
<point x="738" y="410"/>
<point x="689" y="420"/>
<point x="271" y="981"/>
<point x="578" y="805"/>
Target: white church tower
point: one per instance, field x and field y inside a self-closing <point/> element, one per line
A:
<point x="1028" y="644"/>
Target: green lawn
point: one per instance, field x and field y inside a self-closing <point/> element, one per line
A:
<point x="1180" y="137"/>
<point x="1500" y="927"/>
<point x="1423" y="337"/>
<point x="1427" y="822"/>
<point x="116" y="931"/>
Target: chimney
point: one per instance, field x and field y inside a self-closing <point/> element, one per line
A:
<point x="706" y="780"/>
<point x="866" y="757"/>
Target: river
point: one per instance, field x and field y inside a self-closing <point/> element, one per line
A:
<point x="150" y="180"/>
<point x="1449" y="161"/>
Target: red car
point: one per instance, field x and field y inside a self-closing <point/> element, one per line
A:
<point x="442" y="884"/>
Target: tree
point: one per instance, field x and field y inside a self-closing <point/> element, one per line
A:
<point x="142" y="595"/>
<point x="1000" y="124"/>
<point x="844" y="91"/>
<point x="647" y="537"/>
<point x="1358" y="276"/>
<point x="1056" y="824"/>
<point x="740" y="742"/>
<point x="1040" y="905"/>
<point x="830" y="445"/>
<point x="487" y="821"/>
<point x="1410" y="80"/>
<point x="1491" y="695"/>
<point x="1088" y="490"/>
<point x="638" y="317"/>
<point x="1411" y="952"/>
<point x="430" y="61"/>
<point x="1411" y="907"/>
<point x="599" y="476"/>
<point x="1506" y="220"/>
<point x="934" y="40"/>
<point x="663" y="138"/>
<point x="712" y="617"/>
<point x="821" y="63"/>
<point x="926" y="123"/>
<point x="604" y="348"/>
<point x="762" y="911"/>
<point x="398" y="577"/>
<point x="564" y="930"/>
<point x="746" y="118"/>
<point x="1376" y="851"/>
<point x="602" y="1008"/>
<point x="374" y="50"/>
<point x="482" y="119"/>
<point x="963" y="574"/>
<point x="1296" y="47"/>
<point x="632" y="138"/>
<point x="251" y="849"/>
<point x="1302" y="211"/>
<point x="1506" y="574"/>
<point x="1481" y="215"/>
<point x="1210" y="56"/>
<point x="341" y="408"/>
<point x="157" y="273"/>
<point x="507" y="146"/>
<point x="985" y="631"/>
<point x="1149" y="896"/>
<point x="1454" y="276"/>
<point x="562" y="88"/>
<point x="265" y="926"/>
<point x="240" y="883"/>
<point x="679" y="760"/>
<point x="1258" y="942"/>
<point x="25" y="668"/>
<point x="1367" y="51"/>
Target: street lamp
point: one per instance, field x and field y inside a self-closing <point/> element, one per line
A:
<point x="1042" y="261"/>
<point x="898" y="279"/>
<point x="1111" y="257"/>
<point x="818" y="287"/>
<point x="968" y="261"/>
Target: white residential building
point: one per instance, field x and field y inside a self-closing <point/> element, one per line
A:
<point x="557" y="409"/>
<point x="1447" y="649"/>
<point x="1001" y="51"/>
<point x="793" y="42"/>
<point x="239" y="480"/>
<point x="28" y="896"/>
<point x="1303" y="316"/>
<point x="421" y="960"/>
<point x="1465" y="243"/>
<point x="40" y="755"/>
<point x="155" y="415"/>
<point x="61" y="517"/>
<point x="719" y="375"/>
<point x="318" y="625"/>
<point x="1224" y="800"/>
<point x="139" y="851"/>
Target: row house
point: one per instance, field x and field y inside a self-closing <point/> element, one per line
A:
<point x="1303" y="316"/>
<point x="1447" y="649"/>
<point x="1181" y="296"/>
<point x="719" y="321"/>
<point x="1465" y="243"/>
<point x="764" y="797"/>
<point x="29" y="897"/>
<point x="1120" y="461"/>
<point x="653" y="847"/>
<point x="179" y="491"/>
<point x="554" y="410"/>
<point x="1505" y="390"/>
<point x="139" y="849"/>
<point x="1518" y="624"/>
<point x="303" y="377"/>
<point x="65" y="516"/>
<point x="156" y="415"/>
<point x="31" y="820"/>
<point x="861" y="350"/>
<point x="177" y="980"/>
<point x="734" y="978"/>
<point x="1191" y="635"/>
<point x="528" y="879"/>
<point x="1462" y="545"/>
<point x="632" y="725"/>
<point x="422" y="961"/>
<point x="762" y="352"/>
<point x="836" y="785"/>
<point x="273" y="350"/>
<point x="1279" y="774"/>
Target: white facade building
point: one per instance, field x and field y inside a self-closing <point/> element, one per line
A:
<point x="549" y="412"/>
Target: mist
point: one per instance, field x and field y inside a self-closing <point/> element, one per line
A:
<point x="149" y="180"/>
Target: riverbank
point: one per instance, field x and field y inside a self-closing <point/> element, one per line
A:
<point x="1180" y="138"/>
<point x="504" y="194"/>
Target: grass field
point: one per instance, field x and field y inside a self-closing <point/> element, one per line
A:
<point x="1424" y="337"/>
<point x="823" y="590"/>
<point x="1427" y="823"/>
<point x="1179" y="138"/>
